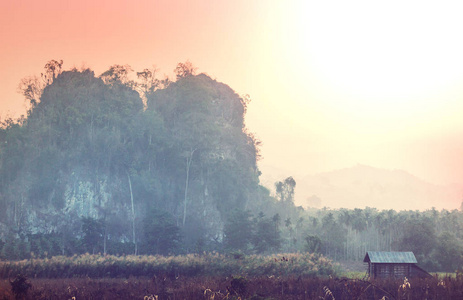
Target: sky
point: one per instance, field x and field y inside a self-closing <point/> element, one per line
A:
<point x="333" y="83"/>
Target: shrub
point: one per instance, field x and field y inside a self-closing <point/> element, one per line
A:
<point x="20" y="286"/>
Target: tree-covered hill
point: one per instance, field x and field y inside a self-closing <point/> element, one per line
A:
<point x="137" y="162"/>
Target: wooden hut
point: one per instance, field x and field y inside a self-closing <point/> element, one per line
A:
<point x="393" y="264"/>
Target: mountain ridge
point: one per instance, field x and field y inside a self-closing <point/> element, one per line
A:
<point x="362" y="185"/>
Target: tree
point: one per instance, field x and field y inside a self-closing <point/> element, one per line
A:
<point x="333" y="235"/>
<point x="448" y="253"/>
<point x="31" y="88"/>
<point x="149" y="83"/>
<point x="419" y="237"/>
<point x="92" y="234"/>
<point x="117" y="74"/>
<point x="313" y="244"/>
<point x="238" y="231"/>
<point x="132" y="205"/>
<point x="285" y="190"/>
<point x="184" y="70"/>
<point x="161" y="235"/>
<point x="52" y="70"/>
<point x="267" y="237"/>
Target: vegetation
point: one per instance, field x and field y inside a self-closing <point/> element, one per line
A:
<point x="96" y="266"/>
<point x="435" y="237"/>
<point x="114" y="165"/>
<point x="239" y="287"/>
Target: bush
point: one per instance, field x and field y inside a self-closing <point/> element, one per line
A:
<point x="20" y="286"/>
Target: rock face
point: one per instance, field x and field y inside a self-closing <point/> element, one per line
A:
<point x="83" y="201"/>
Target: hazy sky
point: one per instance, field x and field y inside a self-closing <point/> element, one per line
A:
<point x="332" y="83"/>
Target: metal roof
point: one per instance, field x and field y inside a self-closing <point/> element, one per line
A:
<point x="390" y="257"/>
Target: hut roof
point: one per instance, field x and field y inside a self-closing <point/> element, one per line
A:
<point x="390" y="257"/>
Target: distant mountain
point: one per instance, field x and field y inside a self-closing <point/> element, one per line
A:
<point x="361" y="186"/>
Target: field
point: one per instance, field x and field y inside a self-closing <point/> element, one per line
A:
<point x="217" y="288"/>
<point x="211" y="276"/>
<point x="191" y="265"/>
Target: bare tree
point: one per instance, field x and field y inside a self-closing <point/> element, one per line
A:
<point x="31" y="88"/>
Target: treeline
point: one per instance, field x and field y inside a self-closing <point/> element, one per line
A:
<point x="436" y="237"/>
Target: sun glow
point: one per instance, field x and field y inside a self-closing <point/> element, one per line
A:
<point x="358" y="78"/>
<point x="333" y="83"/>
<point x="377" y="52"/>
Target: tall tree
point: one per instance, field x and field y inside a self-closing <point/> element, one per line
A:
<point x="285" y="190"/>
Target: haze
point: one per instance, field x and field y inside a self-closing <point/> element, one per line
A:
<point x="332" y="83"/>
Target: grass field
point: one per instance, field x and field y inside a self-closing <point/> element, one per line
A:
<point x="213" y="264"/>
<point x="218" y="288"/>
<point x="210" y="277"/>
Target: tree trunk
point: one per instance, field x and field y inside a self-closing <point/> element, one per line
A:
<point x="189" y="159"/>
<point x="104" y="240"/>
<point x="133" y="214"/>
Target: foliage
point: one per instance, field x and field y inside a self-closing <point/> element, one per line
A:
<point x="266" y="238"/>
<point x="20" y="286"/>
<point x="418" y="237"/>
<point x="184" y="70"/>
<point x="239" y="285"/>
<point x="99" y="157"/>
<point x="161" y="235"/>
<point x="238" y="231"/>
<point x="313" y="243"/>
<point x="117" y="74"/>
<point x="348" y="234"/>
<point x="449" y="252"/>
<point x="92" y="234"/>
<point x="285" y="190"/>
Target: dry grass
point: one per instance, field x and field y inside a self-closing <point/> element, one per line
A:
<point x="97" y="266"/>
<point x="221" y="288"/>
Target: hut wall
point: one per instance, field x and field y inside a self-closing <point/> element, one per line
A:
<point x="391" y="270"/>
<point x="418" y="272"/>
